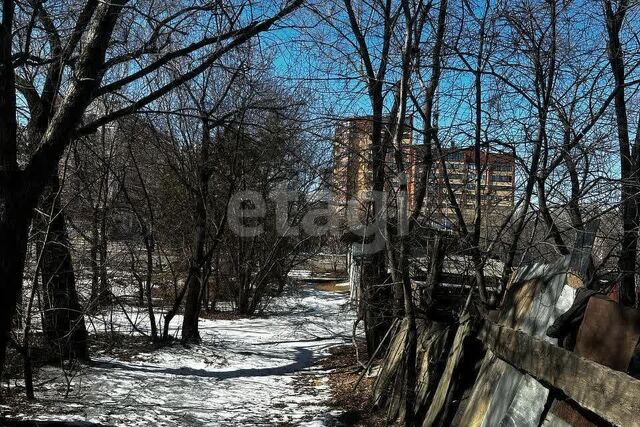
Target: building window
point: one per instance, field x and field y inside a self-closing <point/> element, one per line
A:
<point x="502" y="167"/>
<point x="455" y="157"/>
<point x="501" y="178"/>
<point x="503" y="189"/>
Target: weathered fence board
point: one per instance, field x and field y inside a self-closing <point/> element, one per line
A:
<point x="476" y="408"/>
<point x="611" y="394"/>
<point x="440" y="397"/>
<point x="393" y="359"/>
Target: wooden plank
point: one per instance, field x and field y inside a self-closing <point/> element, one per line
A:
<point x="532" y="305"/>
<point x="572" y="414"/>
<point x="518" y="400"/>
<point x="611" y="394"/>
<point x="502" y="394"/>
<point x="440" y="396"/>
<point x="392" y="361"/>
<point x="476" y="408"/>
<point x="434" y="339"/>
<point x="518" y="302"/>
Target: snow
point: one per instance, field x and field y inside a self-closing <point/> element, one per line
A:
<point x="255" y="371"/>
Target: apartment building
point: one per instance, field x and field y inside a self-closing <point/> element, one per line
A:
<point x="352" y="175"/>
<point x="497" y="184"/>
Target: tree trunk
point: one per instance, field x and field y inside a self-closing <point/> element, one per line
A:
<point x="377" y="310"/>
<point x="173" y="311"/>
<point x="244" y="282"/>
<point x="574" y="202"/>
<point x="554" y="231"/>
<point x="150" y="246"/>
<point x="95" y="271"/>
<point x="105" y="289"/>
<point x="15" y="217"/>
<point x="411" y="346"/>
<point x="628" y="163"/>
<point x="64" y="325"/>
<point x="193" y="303"/>
<point x="100" y="290"/>
<point x="375" y="301"/>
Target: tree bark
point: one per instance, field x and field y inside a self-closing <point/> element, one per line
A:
<point x="105" y="289"/>
<point x="574" y="202"/>
<point x="64" y="325"/>
<point x="193" y="302"/>
<point x="15" y="217"/>
<point x="93" y="257"/>
<point x="149" y="244"/>
<point x="374" y="307"/>
<point x="100" y="290"/>
<point x="628" y="160"/>
<point x="15" y="214"/>
<point x="194" y="285"/>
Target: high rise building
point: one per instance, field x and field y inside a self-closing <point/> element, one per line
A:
<point x="352" y="176"/>
<point x="497" y="185"/>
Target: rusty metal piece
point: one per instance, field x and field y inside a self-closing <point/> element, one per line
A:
<point x="609" y="333"/>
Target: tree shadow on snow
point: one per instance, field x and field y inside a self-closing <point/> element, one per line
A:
<point x="27" y="423"/>
<point x="302" y="360"/>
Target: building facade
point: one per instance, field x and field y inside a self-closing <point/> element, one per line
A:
<point x="496" y="190"/>
<point x="352" y="175"/>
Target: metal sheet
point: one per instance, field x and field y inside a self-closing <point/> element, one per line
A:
<point x="609" y="333"/>
<point x="538" y="298"/>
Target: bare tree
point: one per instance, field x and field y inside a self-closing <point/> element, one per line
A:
<point x="74" y="75"/>
<point x="629" y="155"/>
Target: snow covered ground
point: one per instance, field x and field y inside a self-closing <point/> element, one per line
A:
<point x="246" y="372"/>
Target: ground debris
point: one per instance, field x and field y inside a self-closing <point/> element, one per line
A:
<point x="355" y="406"/>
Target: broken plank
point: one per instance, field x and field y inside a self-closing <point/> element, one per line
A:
<point x="611" y="394"/>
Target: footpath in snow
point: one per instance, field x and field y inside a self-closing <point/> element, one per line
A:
<point x="245" y="372"/>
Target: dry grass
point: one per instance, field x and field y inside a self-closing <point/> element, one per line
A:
<point x="121" y="346"/>
<point x="357" y="403"/>
<point x="332" y="287"/>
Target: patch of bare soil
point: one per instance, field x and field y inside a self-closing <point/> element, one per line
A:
<point x="332" y="287"/>
<point x="120" y="346"/>
<point x="345" y="371"/>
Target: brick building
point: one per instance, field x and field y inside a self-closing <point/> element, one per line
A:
<point x="497" y="184"/>
<point x="352" y="169"/>
<point x="352" y="174"/>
